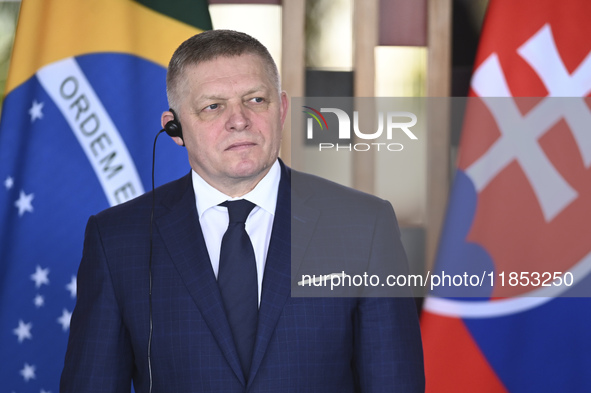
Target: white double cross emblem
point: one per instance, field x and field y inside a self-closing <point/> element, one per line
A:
<point x="520" y="134"/>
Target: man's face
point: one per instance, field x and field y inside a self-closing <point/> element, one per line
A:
<point x="232" y="118"/>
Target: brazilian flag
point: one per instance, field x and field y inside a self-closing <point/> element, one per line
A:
<point x="84" y="95"/>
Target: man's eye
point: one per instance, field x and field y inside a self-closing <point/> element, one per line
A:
<point x="212" y="107"/>
<point x="258" y="99"/>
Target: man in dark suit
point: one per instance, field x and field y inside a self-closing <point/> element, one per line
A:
<point x="174" y="315"/>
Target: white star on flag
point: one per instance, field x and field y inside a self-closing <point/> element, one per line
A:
<point x="23" y="203"/>
<point x="8" y="183"/>
<point x="72" y="287"/>
<point x="36" y="110"/>
<point x="40" y="276"/>
<point x="64" y="319"/>
<point x="28" y="372"/>
<point x="23" y="331"/>
<point x="39" y="301"/>
<point x="45" y="391"/>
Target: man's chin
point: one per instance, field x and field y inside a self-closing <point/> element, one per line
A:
<point x="249" y="170"/>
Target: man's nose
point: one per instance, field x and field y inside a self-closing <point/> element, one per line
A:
<point x="238" y="119"/>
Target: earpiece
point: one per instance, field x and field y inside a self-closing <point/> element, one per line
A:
<point x="173" y="127"/>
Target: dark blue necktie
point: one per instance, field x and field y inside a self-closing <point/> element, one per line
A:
<point x="237" y="279"/>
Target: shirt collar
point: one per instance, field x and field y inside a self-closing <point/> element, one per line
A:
<point x="264" y="195"/>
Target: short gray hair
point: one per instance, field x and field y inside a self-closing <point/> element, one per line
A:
<point x="208" y="46"/>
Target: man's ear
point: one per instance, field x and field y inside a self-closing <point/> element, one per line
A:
<point x="166" y="117"/>
<point x="284" y="107"/>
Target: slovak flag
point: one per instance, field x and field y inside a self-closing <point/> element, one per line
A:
<point x="521" y="203"/>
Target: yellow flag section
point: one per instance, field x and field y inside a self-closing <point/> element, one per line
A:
<point x="68" y="28"/>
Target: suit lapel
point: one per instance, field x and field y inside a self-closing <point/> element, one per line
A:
<point x="292" y="221"/>
<point x="181" y="232"/>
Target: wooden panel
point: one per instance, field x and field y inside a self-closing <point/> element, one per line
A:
<point x="439" y="43"/>
<point x="438" y="150"/>
<point x="365" y="39"/>
<point x="292" y="63"/>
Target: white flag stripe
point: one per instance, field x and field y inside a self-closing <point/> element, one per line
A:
<point x="489" y="80"/>
<point x="508" y="306"/>
<point x="542" y="55"/>
<point x="68" y="87"/>
<point x="519" y="141"/>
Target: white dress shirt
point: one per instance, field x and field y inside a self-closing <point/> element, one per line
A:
<point x="259" y="224"/>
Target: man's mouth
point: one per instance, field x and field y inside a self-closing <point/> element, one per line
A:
<point x="240" y="146"/>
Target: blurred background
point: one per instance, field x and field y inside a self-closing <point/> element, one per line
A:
<point x="439" y="51"/>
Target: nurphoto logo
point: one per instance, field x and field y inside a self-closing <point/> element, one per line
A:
<point x="395" y="122"/>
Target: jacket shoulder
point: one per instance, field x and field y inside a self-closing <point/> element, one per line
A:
<point x="140" y="207"/>
<point x="326" y="193"/>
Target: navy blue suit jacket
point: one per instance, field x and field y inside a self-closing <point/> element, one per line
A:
<point x="302" y="344"/>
